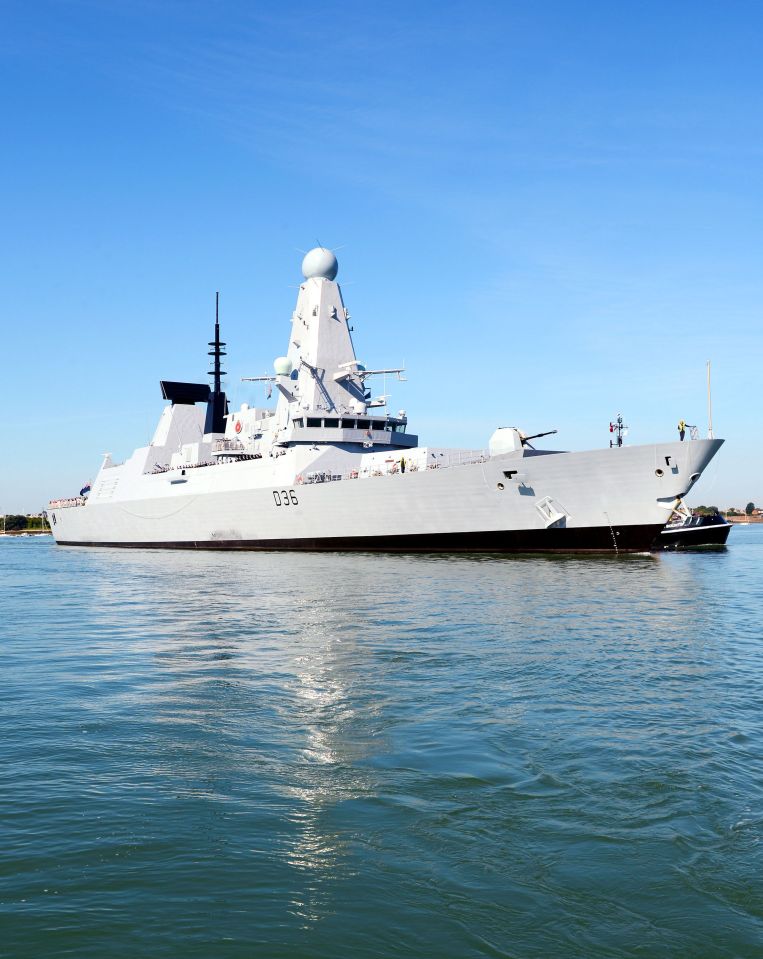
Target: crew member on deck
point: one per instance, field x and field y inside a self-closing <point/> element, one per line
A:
<point x="681" y="429"/>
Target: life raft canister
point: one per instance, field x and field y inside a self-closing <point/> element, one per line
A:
<point x="238" y="426"/>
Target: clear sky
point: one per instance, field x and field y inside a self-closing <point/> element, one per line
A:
<point x="550" y="211"/>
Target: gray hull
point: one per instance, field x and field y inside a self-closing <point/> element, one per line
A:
<point x="610" y="500"/>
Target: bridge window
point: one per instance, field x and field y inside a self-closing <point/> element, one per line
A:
<point x="313" y="422"/>
<point x="348" y="424"/>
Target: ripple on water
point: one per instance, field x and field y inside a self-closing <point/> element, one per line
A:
<point x="380" y="755"/>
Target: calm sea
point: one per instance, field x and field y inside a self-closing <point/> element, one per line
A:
<point x="256" y="755"/>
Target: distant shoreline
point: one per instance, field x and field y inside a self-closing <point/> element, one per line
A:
<point x="27" y="532"/>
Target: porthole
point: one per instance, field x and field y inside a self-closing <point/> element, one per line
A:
<point x="500" y="486"/>
<point x="658" y="472"/>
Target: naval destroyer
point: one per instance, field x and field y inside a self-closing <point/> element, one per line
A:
<point x="329" y="468"/>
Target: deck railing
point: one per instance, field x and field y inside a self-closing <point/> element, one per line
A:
<point x="445" y="461"/>
<point x="229" y="444"/>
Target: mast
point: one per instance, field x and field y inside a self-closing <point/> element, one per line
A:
<point x="217" y="347"/>
<point x="618" y="428"/>
<point x="217" y="405"/>
<point x="709" y="405"/>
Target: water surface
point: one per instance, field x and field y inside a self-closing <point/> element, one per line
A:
<point x="239" y="755"/>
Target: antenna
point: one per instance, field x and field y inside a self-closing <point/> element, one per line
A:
<point x="619" y="429"/>
<point x="709" y="406"/>
<point x="217" y="405"/>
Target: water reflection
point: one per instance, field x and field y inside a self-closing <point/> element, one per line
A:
<point x="387" y="750"/>
<point x="260" y="670"/>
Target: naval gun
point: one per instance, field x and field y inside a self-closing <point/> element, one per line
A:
<point x="510" y="439"/>
<point x="535" y="436"/>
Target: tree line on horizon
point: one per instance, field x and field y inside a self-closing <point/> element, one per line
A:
<point x="16" y="523"/>
<point x="710" y="510"/>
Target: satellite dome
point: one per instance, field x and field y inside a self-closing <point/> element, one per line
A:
<point x="282" y="366"/>
<point x="321" y="263"/>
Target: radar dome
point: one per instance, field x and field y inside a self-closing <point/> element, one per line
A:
<point x="282" y="365"/>
<point x="320" y="263"/>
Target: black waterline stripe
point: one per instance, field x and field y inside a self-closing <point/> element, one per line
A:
<point x="593" y="539"/>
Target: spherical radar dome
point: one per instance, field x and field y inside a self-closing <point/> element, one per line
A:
<point x="282" y="365"/>
<point x="320" y="263"/>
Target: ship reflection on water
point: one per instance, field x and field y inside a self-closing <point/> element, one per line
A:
<point x="422" y="754"/>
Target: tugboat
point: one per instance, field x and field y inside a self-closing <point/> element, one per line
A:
<point x="687" y="530"/>
<point x="329" y="468"/>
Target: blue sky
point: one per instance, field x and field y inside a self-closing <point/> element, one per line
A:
<point x="551" y="212"/>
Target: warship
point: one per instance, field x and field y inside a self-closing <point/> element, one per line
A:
<point x="328" y="467"/>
